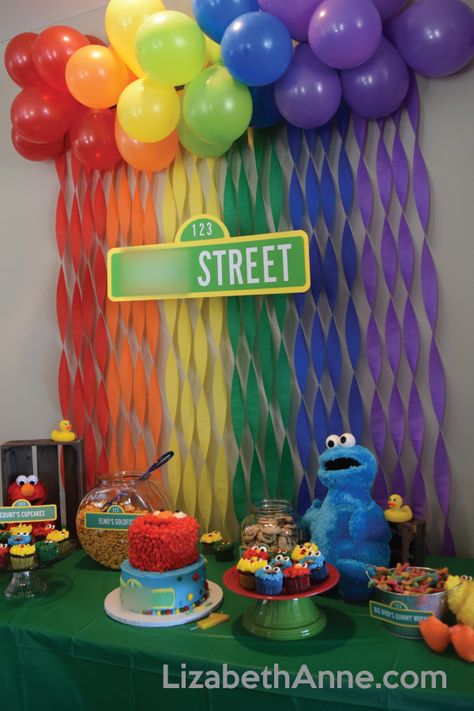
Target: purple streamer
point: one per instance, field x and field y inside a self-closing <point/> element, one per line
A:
<point x="398" y="482"/>
<point x="393" y="339"/>
<point x="441" y="476"/>
<point x="406" y="252"/>
<point x="389" y="256"/>
<point x="400" y="170"/>
<point x="429" y="285"/>
<point x="377" y="425"/>
<point x="397" y="419"/>
<point x="369" y="271"/>
<point x="384" y="172"/>
<point x="374" y="349"/>
<point x="437" y="382"/>
<point x="421" y="188"/>
<point x="416" y="422"/>
<point x="411" y="336"/>
<point x="418" y="494"/>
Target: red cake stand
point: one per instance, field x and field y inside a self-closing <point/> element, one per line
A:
<point x="283" y="617"/>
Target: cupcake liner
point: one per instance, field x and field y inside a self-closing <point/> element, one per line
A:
<point x="3" y="561"/>
<point x="21" y="562"/>
<point x="297" y="585"/>
<point x="319" y="574"/>
<point x="269" y="587"/>
<point x="47" y="552"/>
<point x="63" y="546"/>
<point x="247" y="581"/>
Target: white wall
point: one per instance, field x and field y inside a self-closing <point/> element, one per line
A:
<point x="29" y="263"/>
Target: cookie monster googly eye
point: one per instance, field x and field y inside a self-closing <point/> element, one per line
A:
<point x="347" y="440"/>
<point x="332" y="441"/>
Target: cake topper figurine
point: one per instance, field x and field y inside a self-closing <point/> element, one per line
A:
<point x="348" y="526"/>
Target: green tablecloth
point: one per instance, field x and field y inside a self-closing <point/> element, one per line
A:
<point x="62" y="651"/>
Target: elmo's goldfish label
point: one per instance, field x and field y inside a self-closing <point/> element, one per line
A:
<point x="112" y="519"/>
<point x="22" y="511"/>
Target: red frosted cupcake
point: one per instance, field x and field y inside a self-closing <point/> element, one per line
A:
<point x="4" y="555"/>
<point x="297" y="578"/>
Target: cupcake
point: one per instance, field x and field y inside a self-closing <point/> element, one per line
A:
<point x="41" y="529"/>
<point x="61" y="538"/>
<point x="302" y="550"/>
<point x="19" y="539"/>
<point x="21" y="528"/>
<point x="22" y="556"/>
<point x="257" y="552"/>
<point x="247" y="568"/>
<point x="47" y="550"/>
<point x="224" y="551"/>
<point x="209" y="540"/>
<point x="281" y="561"/>
<point x="297" y="578"/>
<point x="269" y="580"/>
<point x="4" y="555"/>
<point x="4" y="536"/>
<point x="317" y="567"/>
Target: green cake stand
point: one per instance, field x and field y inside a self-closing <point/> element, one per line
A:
<point x="283" y="617"/>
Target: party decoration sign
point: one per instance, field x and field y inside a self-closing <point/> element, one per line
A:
<point x="114" y="519"/>
<point x="22" y="511"/>
<point x="206" y="261"/>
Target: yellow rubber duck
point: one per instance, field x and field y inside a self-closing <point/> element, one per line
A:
<point x="64" y="434"/>
<point x="397" y="512"/>
<point x="461" y="598"/>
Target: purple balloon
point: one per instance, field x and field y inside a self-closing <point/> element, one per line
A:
<point x="295" y="14"/>
<point x="345" y="33"/>
<point x="435" y="37"/>
<point x="309" y="93"/>
<point x="388" y="8"/>
<point x="377" y="88"/>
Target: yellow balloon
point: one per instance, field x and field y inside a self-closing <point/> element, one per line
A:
<point x="213" y="51"/>
<point x="147" y="111"/>
<point x="123" y="19"/>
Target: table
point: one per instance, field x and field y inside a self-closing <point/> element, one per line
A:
<point x="62" y="651"/>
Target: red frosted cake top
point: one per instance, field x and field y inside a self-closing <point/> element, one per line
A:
<point x="295" y="571"/>
<point x="163" y="541"/>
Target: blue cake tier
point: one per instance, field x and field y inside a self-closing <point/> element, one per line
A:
<point x="166" y="593"/>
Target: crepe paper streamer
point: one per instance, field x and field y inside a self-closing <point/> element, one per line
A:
<point x="421" y="191"/>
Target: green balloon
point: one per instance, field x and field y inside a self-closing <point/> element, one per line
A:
<point x="196" y="146"/>
<point x="170" y="48"/>
<point x="216" y="107"/>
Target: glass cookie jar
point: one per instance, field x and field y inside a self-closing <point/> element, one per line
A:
<point x="274" y="524"/>
<point x="105" y="513"/>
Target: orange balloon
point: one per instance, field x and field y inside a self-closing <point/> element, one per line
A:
<point x="96" y="76"/>
<point x="150" y="157"/>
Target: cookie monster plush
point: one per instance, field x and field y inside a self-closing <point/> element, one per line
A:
<point x="348" y="526"/>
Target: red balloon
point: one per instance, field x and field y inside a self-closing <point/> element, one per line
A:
<point x="41" y="114"/>
<point x="93" y="39"/>
<point x="19" y="60"/>
<point x="93" y="140"/>
<point x="37" y="151"/>
<point x="51" y="51"/>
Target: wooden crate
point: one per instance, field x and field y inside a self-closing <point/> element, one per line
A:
<point x="59" y="466"/>
<point x="408" y="542"/>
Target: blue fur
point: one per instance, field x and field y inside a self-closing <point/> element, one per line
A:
<point x="348" y="526"/>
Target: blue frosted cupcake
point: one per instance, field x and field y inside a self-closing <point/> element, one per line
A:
<point x="269" y="580"/>
<point x="281" y="561"/>
<point x="19" y="539"/>
<point x="317" y="567"/>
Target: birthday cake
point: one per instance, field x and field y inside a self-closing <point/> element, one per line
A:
<point x="164" y="573"/>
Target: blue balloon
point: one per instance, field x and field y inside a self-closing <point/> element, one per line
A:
<point x="265" y="111"/>
<point x="257" y="49"/>
<point x="214" y="16"/>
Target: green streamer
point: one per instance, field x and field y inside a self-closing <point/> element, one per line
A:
<point x="257" y="483"/>
<point x="272" y="464"/>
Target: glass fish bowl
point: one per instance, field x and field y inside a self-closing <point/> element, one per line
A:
<point x="106" y="512"/>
